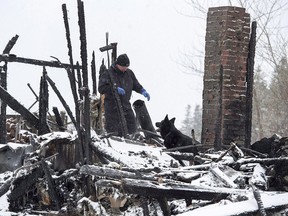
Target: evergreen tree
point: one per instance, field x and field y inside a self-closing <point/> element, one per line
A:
<point x="187" y="123"/>
<point x="270" y="103"/>
<point x="197" y="122"/>
<point x="260" y="107"/>
<point x="192" y="121"/>
<point x="278" y="100"/>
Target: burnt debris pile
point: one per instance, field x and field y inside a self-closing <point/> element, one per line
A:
<point x="139" y="178"/>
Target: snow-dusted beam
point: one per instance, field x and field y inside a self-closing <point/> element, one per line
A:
<point x="14" y="58"/>
<point x="16" y="106"/>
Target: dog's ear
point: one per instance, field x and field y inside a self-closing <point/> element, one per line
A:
<point x="172" y="120"/>
<point x="166" y="118"/>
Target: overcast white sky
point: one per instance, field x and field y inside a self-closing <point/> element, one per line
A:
<point x="153" y="34"/>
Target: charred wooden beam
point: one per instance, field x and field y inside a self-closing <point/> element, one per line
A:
<point x="144" y="204"/>
<point x="72" y="80"/>
<point x="58" y="119"/>
<point x="113" y="173"/>
<point x="69" y="112"/>
<point x="143" y="117"/>
<point x="16" y="106"/>
<point x="14" y="58"/>
<point x="10" y="44"/>
<point x="79" y="79"/>
<point x="170" y="190"/>
<point x="3" y="105"/>
<point x="250" y="79"/>
<point x="85" y="89"/>
<point x="69" y="45"/>
<point x="265" y="161"/>
<point x="181" y="156"/>
<point x="72" y="77"/>
<point x="3" y="83"/>
<point x="51" y="185"/>
<point x="182" y="148"/>
<point x="43" y="105"/>
<point x="164" y="206"/>
<point x="93" y="74"/>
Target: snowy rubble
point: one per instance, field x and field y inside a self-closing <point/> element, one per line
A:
<point x="141" y="156"/>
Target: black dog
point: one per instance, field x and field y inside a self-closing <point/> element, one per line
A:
<point x="173" y="137"/>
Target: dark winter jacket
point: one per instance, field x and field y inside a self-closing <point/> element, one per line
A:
<point x="126" y="80"/>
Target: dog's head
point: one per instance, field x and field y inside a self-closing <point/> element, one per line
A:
<point x="165" y="126"/>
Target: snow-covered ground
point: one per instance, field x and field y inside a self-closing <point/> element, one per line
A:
<point x="137" y="155"/>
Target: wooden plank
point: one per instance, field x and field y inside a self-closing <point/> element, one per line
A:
<point x="176" y="190"/>
<point x="16" y="106"/>
<point x="113" y="173"/>
<point x="14" y="58"/>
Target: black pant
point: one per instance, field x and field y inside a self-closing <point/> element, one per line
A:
<point x="113" y="123"/>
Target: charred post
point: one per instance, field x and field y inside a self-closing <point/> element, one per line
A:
<point x="58" y="119"/>
<point x="79" y="79"/>
<point x="62" y="100"/>
<point x="87" y="137"/>
<point x="3" y="83"/>
<point x="16" y="106"/>
<point x="14" y="58"/>
<point x="143" y="117"/>
<point x="43" y="105"/>
<point x="71" y="70"/>
<point x="250" y="79"/>
<point x="93" y="74"/>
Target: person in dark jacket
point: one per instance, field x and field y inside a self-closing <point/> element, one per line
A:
<point x="126" y="82"/>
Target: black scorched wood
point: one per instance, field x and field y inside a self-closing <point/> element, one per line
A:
<point x="85" y="89"/>
<point x="16" y="106"/>
<point x="43" y="105"/>
<point x="51" y="185"/>
<point x="22" y="185"/>
<point x="3" y="83"/>
<point x="71" y="71"/>
<point x="170" y="190"/>
<point x="113" y="173"/>
<point x="58" y="119"/>
<point x="144" y="119"/>
<point x="79" y="81"/>
<point x="52" y="84"/>
<point x="249" y="91"/>
<point x="14" y="58"/>
<point x="93" y="74"/>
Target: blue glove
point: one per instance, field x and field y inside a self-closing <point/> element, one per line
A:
<point x="145" y="94"/>
<point x="120" y="91"/>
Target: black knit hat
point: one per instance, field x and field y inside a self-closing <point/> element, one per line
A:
<point x="123" y="60"/>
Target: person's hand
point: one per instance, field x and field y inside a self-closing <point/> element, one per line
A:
<point x="120" y="91"/>
<point x="145" y="94"/>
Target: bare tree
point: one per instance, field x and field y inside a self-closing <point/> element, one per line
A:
<point x="269" y="105"/>
<point x="271" y="31"/>
<point x="260" y="122"/>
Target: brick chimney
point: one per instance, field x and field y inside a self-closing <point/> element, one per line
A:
<point x="224" y="93"/>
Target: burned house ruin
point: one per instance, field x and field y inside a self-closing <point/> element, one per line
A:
<point x="86" y="172"/>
